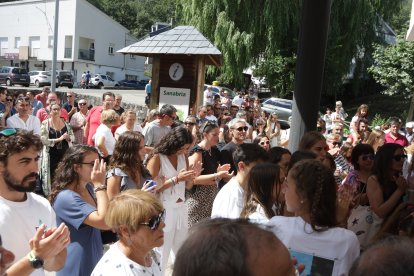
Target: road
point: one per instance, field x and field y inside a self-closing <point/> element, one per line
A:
<point x="136" y="97"/>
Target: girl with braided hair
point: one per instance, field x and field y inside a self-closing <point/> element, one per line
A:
<point x="313" y="235"/>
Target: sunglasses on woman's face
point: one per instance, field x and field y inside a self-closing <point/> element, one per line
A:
<point x="82" y="103"/>
<point x="399" y="157"/>
<point x="263" y="143"/>
<point x="155" y="221"/>
<point x="368" y="156"/>
<point x="9" y="99"/>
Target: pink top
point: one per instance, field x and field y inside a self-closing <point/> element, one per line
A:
<point x="94" y="120"/>
<point x="43" y="114"/>
<point x="401" y="140"/>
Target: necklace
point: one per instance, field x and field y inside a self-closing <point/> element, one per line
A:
<point x="149" y="259"/>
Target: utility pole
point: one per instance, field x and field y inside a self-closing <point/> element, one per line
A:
<point x="55" y="44"/>
<point x="313" y="38"/>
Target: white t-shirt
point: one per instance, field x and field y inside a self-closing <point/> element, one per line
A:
<point x="110" y="141"/>
<point x="208" y="97"/>
<point x="229" y="202"/>
<point x="19" y="222"/>
<point x="336" y="244"/>
<point x="114" y="262"/>
<point x="32" y="123"/>
<point x="259" y="216"/>
<point x="123" y="128"/>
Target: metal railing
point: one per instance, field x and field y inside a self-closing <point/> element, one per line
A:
<point x="87" y="54"/>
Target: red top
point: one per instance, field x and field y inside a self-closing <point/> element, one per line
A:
<point x="401" y="140"/>
<point x="94" y="120"/>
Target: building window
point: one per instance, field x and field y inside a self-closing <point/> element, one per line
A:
<point x="110" y="74"/>
<point x="3" y="45"/>
<point x="132" y="56"/>
<point x="17" y="42"/>
<point x="111" y="49"/>
<point x="50" y="41"/>
<point x="34" y="42"/>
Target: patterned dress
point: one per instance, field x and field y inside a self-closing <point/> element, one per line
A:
<point x="201" y="197"/>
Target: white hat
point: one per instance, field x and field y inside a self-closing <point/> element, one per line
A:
<point x="409" y="125"/>
<point x="338" y="103"/>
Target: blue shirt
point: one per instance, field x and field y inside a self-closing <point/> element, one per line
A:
<point x="148" y="88"/>
<point x="85" y="248"/>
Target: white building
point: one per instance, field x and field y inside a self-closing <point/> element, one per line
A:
<point x="87" y="39"/>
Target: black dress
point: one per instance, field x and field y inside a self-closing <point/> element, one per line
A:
<point x="58" y="150"/>
<point x="200" y="199"/>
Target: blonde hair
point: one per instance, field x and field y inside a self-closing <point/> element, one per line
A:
<point x="130" y="208"/>
<point x="375" y="133"/>
<point x="128" y="111"/>
<point x="109" y="116"/>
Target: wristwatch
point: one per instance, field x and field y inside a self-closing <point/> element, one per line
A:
<point x="35" y="262"/>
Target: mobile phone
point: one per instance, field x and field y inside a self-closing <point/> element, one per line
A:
<point x="152" y="183"/>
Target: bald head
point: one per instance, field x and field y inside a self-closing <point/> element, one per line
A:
<point x="225" y="247"/>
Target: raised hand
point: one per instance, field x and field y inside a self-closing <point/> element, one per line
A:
<point x="98" y="174"/>
<point x="47" y="244"/>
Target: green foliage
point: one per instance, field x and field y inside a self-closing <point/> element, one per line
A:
<point x="256" y="32"/>
<point x="394" y="67"/>
<point x="378" y="120"/>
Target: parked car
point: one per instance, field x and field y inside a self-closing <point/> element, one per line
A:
<point x="282" y="107"/>
<point x="64" y="78"/>
<point x="100" y="81"/>
<point x="216" y="90"/>
<point x="40" y="78"/>
<point x="14" y="75"/>
<point x="133" y="83"/>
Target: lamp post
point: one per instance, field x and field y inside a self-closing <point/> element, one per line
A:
<point x="55" y="44"/>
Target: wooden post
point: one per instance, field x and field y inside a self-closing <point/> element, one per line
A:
<point x="201" y="69"/>
<point x="155" y="82"/>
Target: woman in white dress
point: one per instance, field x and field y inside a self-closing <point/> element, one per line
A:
<point x="313" y="235"/>
<point x="169" y="164"/>
<point x="138" y="219"/>
<point x="273" y="130"/>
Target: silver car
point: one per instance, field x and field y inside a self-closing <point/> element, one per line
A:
<point x="282" y="107"/>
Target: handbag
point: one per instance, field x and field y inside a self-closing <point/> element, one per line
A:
<point x="365" y="224"/>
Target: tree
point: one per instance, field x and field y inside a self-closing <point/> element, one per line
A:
<point x="250" y="32"/>
<point x="394" y="69"/>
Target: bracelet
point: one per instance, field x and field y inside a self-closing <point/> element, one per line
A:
<point x="173" y="181"/>
<point x="100" y="188"/>
<point x="176" y="179"/>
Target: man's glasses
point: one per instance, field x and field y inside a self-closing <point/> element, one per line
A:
<point x="8" y="132"/>
<point x="399" y="157"/>
<point x="264" y="143"/>
<point x="189" y="123"/>
<point x="70" y="96"/>
<point x="9" y="100"/>
<point x="368" y="157"/>
<point x="82" y="103"/>
<point x="155" y="221"/>
<point x="240" y="129"/>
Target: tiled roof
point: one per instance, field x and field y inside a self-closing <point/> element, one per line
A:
<point x="180" y="40"/>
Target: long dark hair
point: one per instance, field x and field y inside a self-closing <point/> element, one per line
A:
<point x="174" y="141"/>
<point x="383" y="167"/>
<point x="264" y="178"/>
<point x="126" y="157"/>
<point x="65" y="172"/>
<point x="316" y="184"/>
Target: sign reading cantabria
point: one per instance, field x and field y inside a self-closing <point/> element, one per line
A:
<point x="178" y="97"/>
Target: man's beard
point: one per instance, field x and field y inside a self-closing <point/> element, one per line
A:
<point x="24" y="186"/>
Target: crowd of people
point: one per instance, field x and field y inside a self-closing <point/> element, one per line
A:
<point x="216" y="194"/>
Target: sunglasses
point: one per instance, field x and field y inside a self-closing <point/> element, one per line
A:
<point x="189" y="123"/>
<point x="368" y="157"/>
<point x="226" y="113"/>
<point x="8" y="132"/>
<point x="82" y="103"/>
<point x="70" y="96"/>
<point x="23" y="99"/>
<point x="399" y="157"/>
<point x="240" y="129"/>
<point x="208" y="123"/>
<point x="155" y="221"/>
<point x="263" y="143"/>
<point x="55" y="109"/>
<point x="337" y="144"/>
<point x="9" y="100"/>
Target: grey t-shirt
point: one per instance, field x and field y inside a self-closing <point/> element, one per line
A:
<point x="154" y="132"/>
<point x="126" y="181"/>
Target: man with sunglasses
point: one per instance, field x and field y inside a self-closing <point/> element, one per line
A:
<point x="334" y="142"/>
<point x="238" y="131"/>
<point x="202" y="115"/>
<point x="161" y="126"/>
<point x="27" y="221"/>
<point x="23" y="119"/>
<point x="78" y="122"/>
<point x="71" y="106"/>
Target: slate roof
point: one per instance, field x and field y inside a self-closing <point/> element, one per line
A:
<point x="182" y="40"/>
